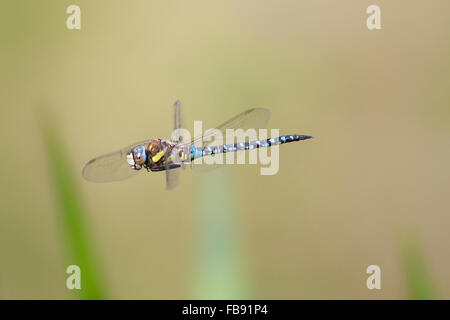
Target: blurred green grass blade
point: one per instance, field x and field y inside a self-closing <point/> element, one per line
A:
<point x="221" y="271"/>
<point x="78" y="245"/>
<point x="415" y="269"/>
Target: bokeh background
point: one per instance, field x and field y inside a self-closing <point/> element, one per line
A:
<point x="371" y="188"/>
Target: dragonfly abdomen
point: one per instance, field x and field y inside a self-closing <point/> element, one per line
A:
<point x="197" y="152"/>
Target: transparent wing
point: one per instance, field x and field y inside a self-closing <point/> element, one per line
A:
<point x="172" y="175"/>
<point x="112" y="166"/>
<point x="177" y="119"/>
<point x="256" y="118"/>
<point x="172" y="178"/>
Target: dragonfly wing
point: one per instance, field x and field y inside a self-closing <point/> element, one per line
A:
<point x="172" y="178"/>
<point x="256" y="118"/>
<point x="112" y="166"/>
<point x="171" y="174"/>
<point x="177" y="119"/>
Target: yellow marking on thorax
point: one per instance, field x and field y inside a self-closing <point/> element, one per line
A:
<point x="158" y="156"/>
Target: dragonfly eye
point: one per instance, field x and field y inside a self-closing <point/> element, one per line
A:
<point x="139" y="156"/>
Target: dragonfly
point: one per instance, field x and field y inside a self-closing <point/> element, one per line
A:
<point x="168" y="155"/>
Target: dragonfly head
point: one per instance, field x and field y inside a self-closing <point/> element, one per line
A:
<point x="137" y="157"/>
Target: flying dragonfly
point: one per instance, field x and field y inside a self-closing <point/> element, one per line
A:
<point x="170" y="154"/>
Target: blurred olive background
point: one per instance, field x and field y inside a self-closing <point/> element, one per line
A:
<point x="371" y="188"/>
